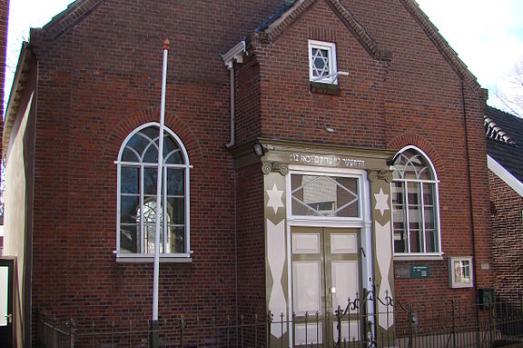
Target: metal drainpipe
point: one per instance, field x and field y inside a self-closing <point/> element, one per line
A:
<point x="471" y="205"/>
<point x="229" y="145"/>
<point x="232" y="106"/>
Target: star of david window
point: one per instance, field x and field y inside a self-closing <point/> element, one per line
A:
<point x="322" y="62"/>
<point x="415" y="204"/>
<point x="325" y="196"/>
<point x="137" y="188"/>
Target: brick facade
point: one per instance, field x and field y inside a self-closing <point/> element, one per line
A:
<point x="388" y="105"/>
<point x="100" y="79"/>
<point x="507" y="228"/>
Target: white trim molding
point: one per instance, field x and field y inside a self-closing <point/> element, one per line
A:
<point x="505" y="175"/>
<point x="330" y="47"/>
<point x="407" y="254"/>
<point x="141" y="165"/>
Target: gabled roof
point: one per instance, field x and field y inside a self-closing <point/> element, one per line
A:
<point x="505" y="140"/>
<point x="291" y="10"/>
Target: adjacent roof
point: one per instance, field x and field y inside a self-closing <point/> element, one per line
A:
<point x="505" y="140"/>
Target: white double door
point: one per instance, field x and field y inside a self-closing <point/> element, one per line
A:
<point x="326" y="273"/>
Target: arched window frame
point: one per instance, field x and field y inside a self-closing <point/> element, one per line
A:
<point x="435" y="182"/>
<point x="138" y="257"/>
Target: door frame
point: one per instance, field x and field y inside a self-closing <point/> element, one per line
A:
<point x="10" y="264"/>
<point x="363" y="223"/>
<point x="326" y="315"/>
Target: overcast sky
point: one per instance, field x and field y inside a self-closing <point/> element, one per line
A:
<point x="487" y="34"/>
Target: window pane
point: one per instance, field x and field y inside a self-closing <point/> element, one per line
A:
<point x="431" y="241"/>
<point x="151" y="154"/>
<point x="430" y="221"/>
<point x="400" y="239"/>
<point x="129" y="207"/>
<point x="151" y="132"/>
<point x="149" y="211"/>
<point x="410" y="164"/>
<point x="130" y="177"/>
<point x="150" y="230"/>
<point x="150" y="179"/>
<point x="130" y="156"/>
<point x="129" y="238"/>
<point x="175" y="182"/>
<point x="414" y="193"/>
<point x="428" y="196"/>
<point x="398" y="217"/>
<point x="320" y="62"/>
<point x="397" y="192"/>
<point x="138" y="143"/>
<point x="347" y="197"/>
<point x="324" y="196"/>
<point x="174" y="157"/>
<point x="176" y="210"/>
<point x="176" y="239"/>
<point x="415" y="241"/>
<point x="171" y="152"/>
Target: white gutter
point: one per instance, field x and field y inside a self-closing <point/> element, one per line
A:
<point x="505" y="175"/>
<point x="235" y="54"/>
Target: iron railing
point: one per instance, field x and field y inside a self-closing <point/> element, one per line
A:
<point x="360" y="324"/>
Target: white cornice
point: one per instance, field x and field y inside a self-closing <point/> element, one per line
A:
<point x="505" y="175"/>
<point x="235" y="54"/>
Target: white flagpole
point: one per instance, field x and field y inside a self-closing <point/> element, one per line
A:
<point x="159" y="212"/>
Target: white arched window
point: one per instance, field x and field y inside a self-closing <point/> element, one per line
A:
<point x="415" y="205"/>
<point x="137" y="185"/>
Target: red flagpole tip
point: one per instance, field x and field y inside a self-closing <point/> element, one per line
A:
<point x="166" y="44"/>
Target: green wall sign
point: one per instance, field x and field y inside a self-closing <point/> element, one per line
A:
<point x="419" y="271"/>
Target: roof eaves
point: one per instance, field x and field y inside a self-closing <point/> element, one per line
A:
<point x="17" y="89"/>
<point x="443" y="46"/>
<point x="275" y="16"/>
<point x="361" y="33"/>
<point x="74" y="13"/>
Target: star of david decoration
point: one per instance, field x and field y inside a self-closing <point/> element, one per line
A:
<point x="320" y="62"/>
<point x="382" y="201"/>
<point x="275" y="199"/>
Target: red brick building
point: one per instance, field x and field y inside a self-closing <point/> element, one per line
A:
<point x="504" y="138"/>
<point x="338" y="151"/>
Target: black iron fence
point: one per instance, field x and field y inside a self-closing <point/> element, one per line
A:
<point x="364" y="322"/>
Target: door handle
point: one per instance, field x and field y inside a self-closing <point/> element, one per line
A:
<point x="9" y="318"/>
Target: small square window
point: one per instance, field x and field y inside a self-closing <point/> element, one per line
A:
<point x="461" y="272"/>
<point x="322" y="62"/>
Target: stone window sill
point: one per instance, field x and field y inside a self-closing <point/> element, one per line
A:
<point x="325" y="88"/>
<point x="150" y="259"/>
<point x="418" y="257"/>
